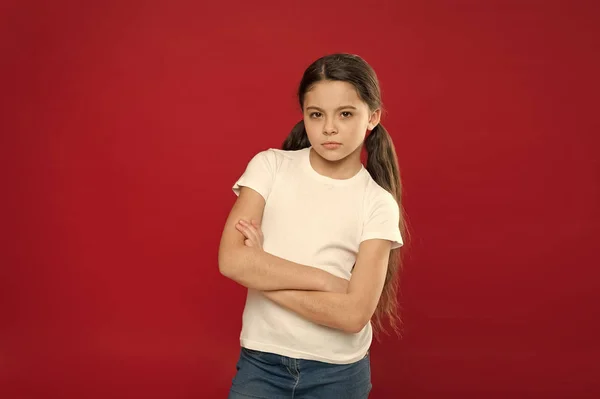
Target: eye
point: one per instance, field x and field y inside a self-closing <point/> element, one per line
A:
<point x="346" y="114"/>
<point x="315" y="114"/>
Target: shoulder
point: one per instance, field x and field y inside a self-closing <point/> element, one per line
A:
<point x="378" y="198"/>
<point x="376" y="193"/>
<point x="276" y="157"/>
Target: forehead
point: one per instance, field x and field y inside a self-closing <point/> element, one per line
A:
<point x="331" y="94"/>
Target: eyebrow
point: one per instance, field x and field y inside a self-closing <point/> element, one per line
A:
<point x="337" y="109"/>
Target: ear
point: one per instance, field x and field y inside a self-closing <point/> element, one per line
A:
<point x="374" y="119"/>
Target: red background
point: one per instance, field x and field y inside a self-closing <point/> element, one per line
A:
<point x="125" y="124"/>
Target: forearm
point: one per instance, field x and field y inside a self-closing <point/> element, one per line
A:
<point x="330" y="309"/>
<point x="254" y="268"/>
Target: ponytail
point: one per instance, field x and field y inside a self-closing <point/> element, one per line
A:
<point x="382" y="162"/>
<point x="297" y="139"/>
<point x="382" y="165"/>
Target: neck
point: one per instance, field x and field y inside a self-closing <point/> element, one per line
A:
<point x="342" y="169"/>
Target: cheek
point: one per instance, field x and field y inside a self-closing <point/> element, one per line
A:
<point x="312" y="127"/>
<point x="357" y="125"/>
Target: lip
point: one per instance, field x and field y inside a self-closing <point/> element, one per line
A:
<point x="331" y="145"/>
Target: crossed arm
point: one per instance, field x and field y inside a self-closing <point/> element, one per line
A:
<point x="312" y="293"/>
<point x="348" y="311"/>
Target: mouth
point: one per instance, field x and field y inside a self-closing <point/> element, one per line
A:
<point x="331" y="145"/>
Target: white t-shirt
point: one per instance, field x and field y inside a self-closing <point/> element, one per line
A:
<point x="316" y="221"/>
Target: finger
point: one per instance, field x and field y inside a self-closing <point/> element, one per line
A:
<point x="250" y="239"/>
<point x="247" y="236"/>
<point x="256" y="225"/>
<point x="243" y="225"/>
<point x="250" y="231"/>
<point x="241" y="229"/>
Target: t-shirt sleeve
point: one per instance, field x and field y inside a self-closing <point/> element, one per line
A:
<point x="382" y="221"/>
<point x="259" y="174"/>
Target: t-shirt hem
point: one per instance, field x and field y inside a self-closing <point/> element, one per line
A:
<point x="279" y="350"/>
<point x="396" y="241"/>
<point x="237" y="187"/>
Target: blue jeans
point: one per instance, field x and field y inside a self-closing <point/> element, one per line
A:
<point x="270" y="376"/>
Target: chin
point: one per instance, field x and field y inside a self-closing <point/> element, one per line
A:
<point x="332" y="156"/>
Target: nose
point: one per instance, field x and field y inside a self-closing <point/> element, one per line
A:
<point x="329" y="128"/>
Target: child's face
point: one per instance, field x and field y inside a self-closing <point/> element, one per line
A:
<point x="334" y="112"/>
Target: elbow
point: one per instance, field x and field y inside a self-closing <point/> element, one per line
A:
<point x="356" y="321"/>
<point x="227" y="263"/>
<point x="225" y="271"/>
<point x="356" y="327"/>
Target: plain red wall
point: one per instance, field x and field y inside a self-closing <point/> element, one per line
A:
<point x="125" y="124"/>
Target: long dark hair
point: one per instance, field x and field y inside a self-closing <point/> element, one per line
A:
<point x="382" y="163"/>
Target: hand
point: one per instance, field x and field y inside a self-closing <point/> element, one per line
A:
<point x="252" y="232"/>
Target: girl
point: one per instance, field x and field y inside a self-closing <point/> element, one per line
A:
<point x="314" y="236"/>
